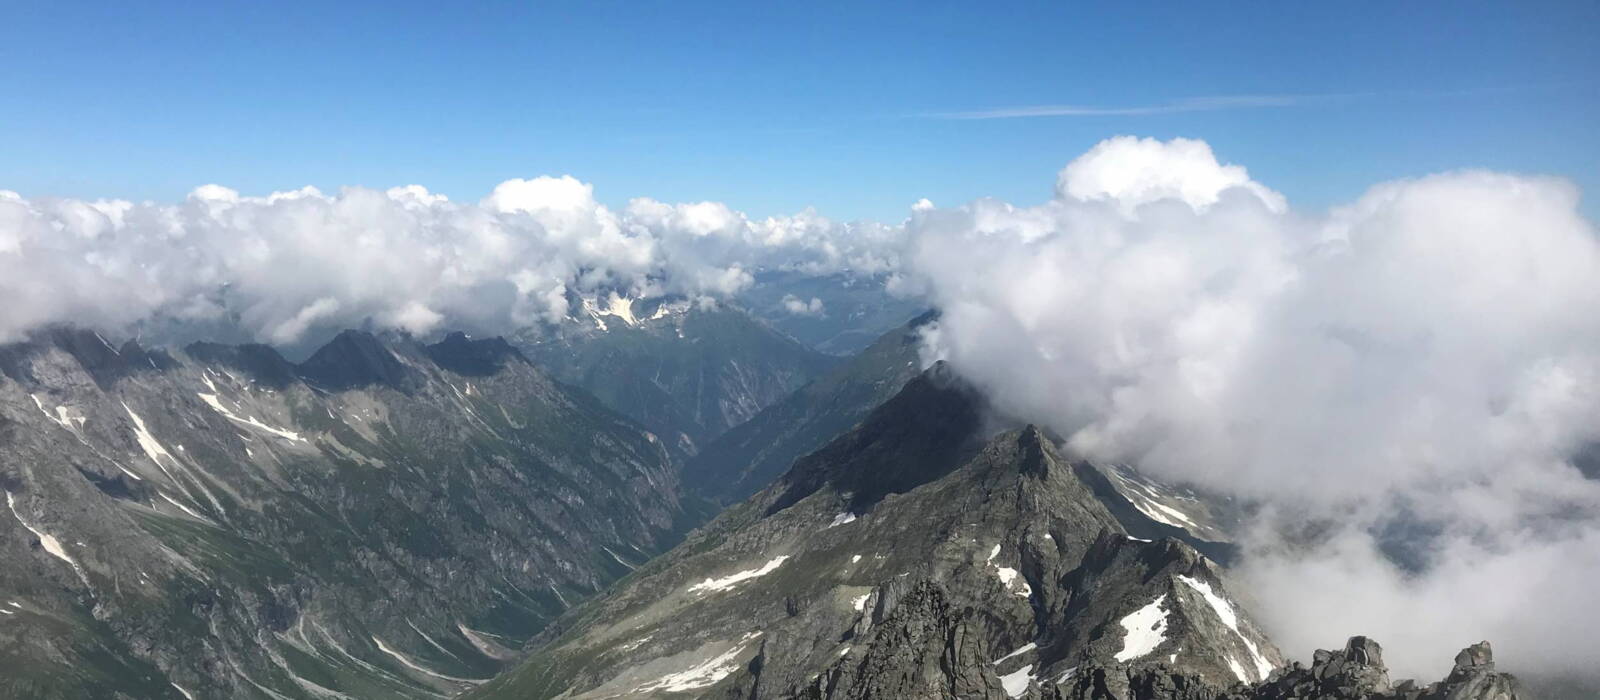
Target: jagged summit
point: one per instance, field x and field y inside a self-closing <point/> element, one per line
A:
<point x="462" y="355"/>
<point x="354" y="359"/>
<point x="104" y="364"/>
<point x="925" y="431"/>
<point x="261" y="363"/>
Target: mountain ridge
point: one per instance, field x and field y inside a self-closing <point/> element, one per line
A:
<point x="220" y="522"/>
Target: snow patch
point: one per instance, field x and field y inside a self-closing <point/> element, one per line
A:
<point x="211" y="400"/>
<point x="728" y="582"/>
<point x="62" y="417"/>
<point x="180" y="506"/>
<point x="1030" y="646"/>
<point x="841" y="519"/>
<point x="46" y="540"/>
<point x="703" y="675"/>
<point x="1225" y="612"/>
<point x="855" y="558"/>
<point x="147" y="442"/>
<point x="860" y="602"/>
<point x="484" y="646"/>
<point x="1008" y="576"/>
<point x="619" y="559"/>
<point x="1016" y="683"/>
<point x="408" y="663"/>
<point x="1144" y="630"/>
<point x="182" y="691"/>
<point x="1143" y="498"/>
<point x="1237" y="670"/>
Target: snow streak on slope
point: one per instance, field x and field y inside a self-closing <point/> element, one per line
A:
<point x="728" y="582"/>
<point x="1225" y="612"/>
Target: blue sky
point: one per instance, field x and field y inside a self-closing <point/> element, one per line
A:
<point x="772" y="108"/>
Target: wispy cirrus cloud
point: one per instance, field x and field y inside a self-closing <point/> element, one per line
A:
<point x="1191" y="104"/>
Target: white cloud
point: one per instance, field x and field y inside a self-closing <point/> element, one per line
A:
<point x="800" y="307"/>
<point x="1133" y="171"/>
<point x="285" y="265"/>
<point x="1432" y="345"/>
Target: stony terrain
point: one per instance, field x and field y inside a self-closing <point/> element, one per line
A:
<point x="384" y="520"/>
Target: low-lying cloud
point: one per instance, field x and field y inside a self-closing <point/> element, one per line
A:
<point x="281" y="266"/>
<point x="1422" y="361"/>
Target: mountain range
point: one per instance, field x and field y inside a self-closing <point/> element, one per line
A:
<point x="536" y="517"/>
<point x="385" y="519"/>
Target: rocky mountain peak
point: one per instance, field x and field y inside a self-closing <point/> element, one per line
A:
<point x="921" y="434"/>
<point x="461" y="354"/>
<point x="354" y="359"/>
<point x="260" y="363"/>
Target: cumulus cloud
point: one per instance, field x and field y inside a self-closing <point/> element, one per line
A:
<point x="285" y="265"/>
<point x="1429" y="351"/>
<point x="799" y="307"/>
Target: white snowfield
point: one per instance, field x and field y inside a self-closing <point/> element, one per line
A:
<point x="1016" y="683"/>
<point x="1144" y="630"/>
<point x="1009" y="576"/>
<point x="704" y="674"/>
<point x="619" y="307"/>
<point x="1225" y="613"/>
<point x="841" y="519"/>
<point x="860" y="602"/>
<point x="729" y="581"/>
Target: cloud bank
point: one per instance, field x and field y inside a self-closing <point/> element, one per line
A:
<point x="281" y="266"/>
<point x="1418" y="367"/>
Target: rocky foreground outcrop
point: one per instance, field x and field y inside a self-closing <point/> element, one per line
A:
<point x="1356" y="672"/>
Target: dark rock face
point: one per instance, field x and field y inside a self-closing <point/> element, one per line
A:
<point x="686" y="372"/>
<point x="354" y="359"/>
<point x="384" y="521"/>
<point x="909" y="558"/>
